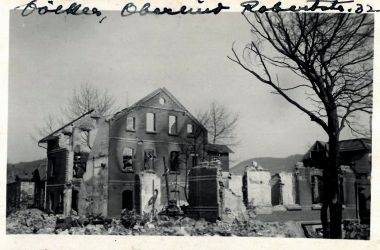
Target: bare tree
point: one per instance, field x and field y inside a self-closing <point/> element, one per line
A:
<point x="88" y="97"/>
<point x="220" y="123"/>
<point x="332" y="55"/>
<point x="50" y="124"/>
<point x="83" y="99"/>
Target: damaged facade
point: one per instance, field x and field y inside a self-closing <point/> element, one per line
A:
<point x="136" y="160"/>
<point x="301" y="188"/>
<point x="26" y="185"/>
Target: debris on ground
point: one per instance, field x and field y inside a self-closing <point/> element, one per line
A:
<point x="354" y="230"/>
<point x="130" y="223"/>
<point x="30" y="221"/>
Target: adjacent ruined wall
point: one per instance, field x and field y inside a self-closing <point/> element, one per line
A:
<point x="58" y="159"/>
<point x="258" y="188"/>
<point x="27" y="193"/>
<point x="304" y="186"/>
<point x="349" y="191"/>
<point x="93" y="187"/>
<point x="233" y="202"/>
<point x="87" y="194"/>
<point x="287" y="180"/>
<point x="148" y="183"/>
<point x="235" y="183"/>
<point x="205" y="193"/>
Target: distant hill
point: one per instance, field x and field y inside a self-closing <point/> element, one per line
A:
<point x="273" y="165"/>
<point x="25" y="169"/>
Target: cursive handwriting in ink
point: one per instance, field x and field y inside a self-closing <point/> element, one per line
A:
<point x="336" y="5"/>
<point x="74" y="9"/>
<point x="248" y="6"/>
<point x="130" y="9"/>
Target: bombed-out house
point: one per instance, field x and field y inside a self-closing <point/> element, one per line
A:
<point x="137" y="159"/>
<point x="300" y="188"/>
<point x="26" y="185"/>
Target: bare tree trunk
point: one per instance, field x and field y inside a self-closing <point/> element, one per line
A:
<point x="335" y="199"/>
<point x="331" y="212"/>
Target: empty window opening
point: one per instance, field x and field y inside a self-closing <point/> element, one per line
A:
<point x="128" y="155"/>
<point x="52" y="167"/>
<point x="60" y="202"/>
<point x="84" y="138"/>
<point x="149" y="157"/>
<point x="161" y="101"/>
<point x="150" y="122"/>
<point x="172" y="124"/>
<point x="131" y="123"/>
<point x="194" y="159"/>
<point x="79" y="165"/>
<point x="74" y="200"/>
<point x="127" y="200"/>
<point x="174" y="161"/>
<point x="316" y="187"/>
<point x="276" y="190"/>
<point x="189" y="128"/>
<point x="51" y="202"/>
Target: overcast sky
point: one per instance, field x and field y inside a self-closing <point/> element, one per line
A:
<point x="52" y="55"/>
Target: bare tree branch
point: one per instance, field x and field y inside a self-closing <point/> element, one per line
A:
<point x="220" y="123"/>
<point x="332" y="54"/>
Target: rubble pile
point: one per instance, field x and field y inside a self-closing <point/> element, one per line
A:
<point x="130" y="223"/>
<point x="354" y="230"/>
<point x="30" y="221"/>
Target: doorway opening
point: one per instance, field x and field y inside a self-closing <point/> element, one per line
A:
<point x="127" y="200"/>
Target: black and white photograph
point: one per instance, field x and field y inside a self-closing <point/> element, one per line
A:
<point x="150" y="121"/>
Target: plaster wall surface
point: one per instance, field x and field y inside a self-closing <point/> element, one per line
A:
<point x="233" y="202"/>
<point x="287" y="180"/>
<point x="150" y="182"/>
<point x="258" y="188"/>
<point x="236" y="184"/>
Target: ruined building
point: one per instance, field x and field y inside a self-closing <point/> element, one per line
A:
<point x="26" y="185"/>
<point x="137" y="160"/>
<point x="300" y="188"/>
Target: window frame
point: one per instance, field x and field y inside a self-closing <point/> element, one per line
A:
<point x="175" y="123"/>
<point x="133" y="129"/>
<point x="147" y="122"/>
<point x="177" y="169"/>
<point x="80" y="165"/>
<point x="129" y="169"/>
<point x="192" y="129"/>
<point x="150" y="162"/>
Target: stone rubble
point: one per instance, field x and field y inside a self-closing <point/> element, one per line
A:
<point x="35" y="221"/>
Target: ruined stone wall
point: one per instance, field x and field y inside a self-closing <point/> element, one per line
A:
<point x="205" y="193"/>
<point x="27" y="193"/>
<point x="93" y="186"/>
<point x="236" y="184"/>
<point x="258" y="188"/>
<point x="148" y="183"/>
<point x="233" y="202"/>
<point x="85" y="193"/>
<point x="287" y="180"/>
<point x="349" y="192"/>
<point x="58" y="159"/>
<point x="304" y="187"/>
